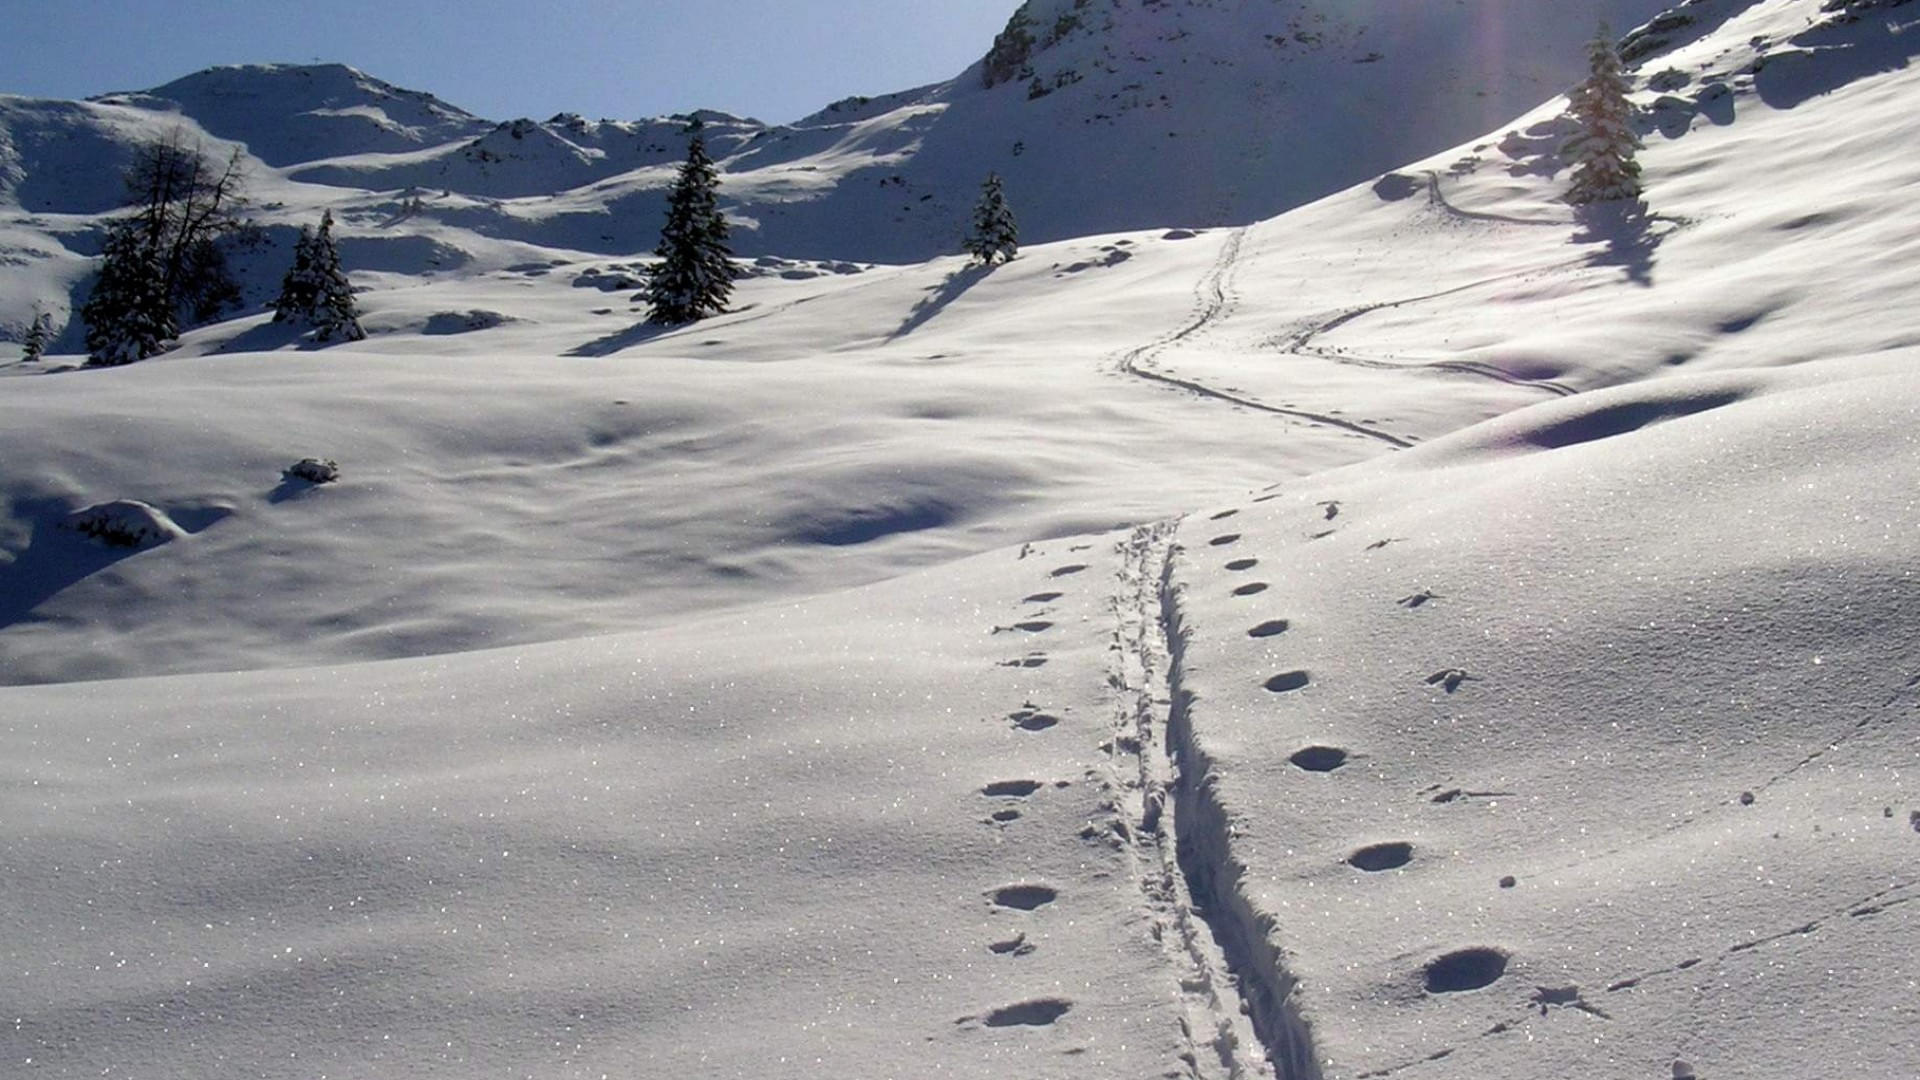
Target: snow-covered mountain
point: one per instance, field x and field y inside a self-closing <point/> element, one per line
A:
<point x="1430" y="633"/>
<point x="1104" y="116"/>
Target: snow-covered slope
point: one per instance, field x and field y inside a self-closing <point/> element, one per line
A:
<point x="1426" y="634"/>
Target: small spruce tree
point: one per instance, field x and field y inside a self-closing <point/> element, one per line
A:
<point x="315" y="291"/>
<point x="335" y="313"/>
<point x="1602" y="149"/>
<point x="39" y="334"/>
<point x="299" y="290"/>
<point x="129" y="315"/>
<point x="994" y="237"/>
<point x="694" y="277"/>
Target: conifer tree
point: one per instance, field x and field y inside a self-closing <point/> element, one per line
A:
<point x="39" y="333"/>
<point x="694" y="277"/>
<point x="334" y="312"/>
<point x="129" y="316"/>
<point x="994" y="235"/>
<point x="299" y="291"/>
<point x="1603" y="148"/>
<point x="315" y="291"/>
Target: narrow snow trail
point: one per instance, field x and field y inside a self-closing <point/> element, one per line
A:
<point x="1215" y="302"/>
<point x="1239" y="1015"/>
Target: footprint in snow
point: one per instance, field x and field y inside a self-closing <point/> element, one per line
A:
<point x="1024" y="897"/>
<point x="1288" y="681"/>
<point x="1223" y="541"/>
<point x="1242" y="565"/>
<point x="1223" y="515"/>
<point x="1251" y="588"/>
<point x="1069" y="570"/>
<point x="1011" y="789"/>
<point x="1318" y="758"/>
<point x="1419" y="599"/>
<point x="1039" y="1012"/>
<point x="1270" y="628"/>
<point x="1017" y="945"/>
<point x="1030" y="718"/>
<point x="1465" y="969"/>
<point x="1331" y="507"/>
<point x="1043" y="598"/>
<point x="1450" y="679"/>
<point x="1375" y="858"/>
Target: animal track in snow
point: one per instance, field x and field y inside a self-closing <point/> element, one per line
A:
<point x="1024" y="897"/>
<point x="1251" y="588"/>
<point x="1036" y="1013"/>
<point x="1288" y="681"/>
<point x="1068" y="570"/>
<point x="1031" y="660"/>
<point x="1240" y="565"/>
<point x="1223" y="515"/>
<point x="1223" y="541"/>
<point x="1033" y="626"/>
<point x="1030" y="718"/>
<point x="1017" y="945"/>
<point x="1270" y="628"/>
<point x="1465" y="969"/>
<point x="1006" y="816"/>
<point x="1377" y="857"/>
<point x="1318" y="758"/>
<point x="1011" y="789"/>
<point x="1043" y="598"/>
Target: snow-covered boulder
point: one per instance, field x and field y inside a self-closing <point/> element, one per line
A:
<point x="125" y="523"/>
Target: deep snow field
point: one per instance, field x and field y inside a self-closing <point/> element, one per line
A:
<point x="1427" y="633"/>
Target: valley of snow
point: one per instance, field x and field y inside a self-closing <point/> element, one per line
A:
<point x="1428" y="633"/>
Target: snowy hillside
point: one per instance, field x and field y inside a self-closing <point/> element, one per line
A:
<point x="1117" y="116"/>
<point x="1430" y="633"/>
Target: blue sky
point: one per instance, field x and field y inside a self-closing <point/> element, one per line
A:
<point x="773" y="59"/>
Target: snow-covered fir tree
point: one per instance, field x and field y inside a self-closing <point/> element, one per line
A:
<point x="694" y="277"/>
<point x="335" y="313"/>
<point x="994" y="237"/>
<point x="129" y="315"/>
<point x="299" y="288"/>
<point x="39" y="334"/>
<point x="315" y="291"/>
<point x="1602" y="150"/>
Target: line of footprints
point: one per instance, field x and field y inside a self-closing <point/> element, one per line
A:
<point x="1464" y="969"/>
<point x="1006" y="797"/>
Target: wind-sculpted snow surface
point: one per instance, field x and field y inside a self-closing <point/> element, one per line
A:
<point x="1431" y="634"/>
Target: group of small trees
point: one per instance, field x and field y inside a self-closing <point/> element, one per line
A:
<point x="162" y="266"/>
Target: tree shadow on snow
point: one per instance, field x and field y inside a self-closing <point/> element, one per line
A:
<point x="620" y="340"/>
<point x="938" y="297"/>
<point x="1629" y="236"/>
<point x="270" y="336"/>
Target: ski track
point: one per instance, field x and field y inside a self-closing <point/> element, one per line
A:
<point x="1238" y="1012"/>
<point x="1215" y="301"/>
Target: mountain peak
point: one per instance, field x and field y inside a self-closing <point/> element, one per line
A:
<point x="288" y="113"/>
